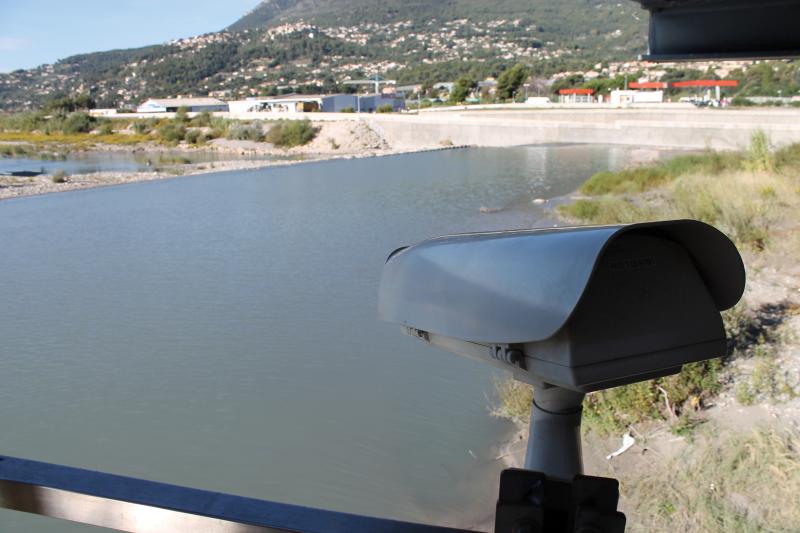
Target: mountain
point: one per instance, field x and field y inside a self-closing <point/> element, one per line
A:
<point x="313" y="45"/>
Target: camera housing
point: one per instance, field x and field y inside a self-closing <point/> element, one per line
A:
<point x="582" y="308"/>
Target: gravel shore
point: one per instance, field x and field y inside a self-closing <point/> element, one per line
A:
<point x="337" y="140"/>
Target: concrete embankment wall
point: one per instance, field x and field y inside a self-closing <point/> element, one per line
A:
<point x="679" y="128"/>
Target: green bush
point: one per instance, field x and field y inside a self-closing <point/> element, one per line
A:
<point x="606" y="210"/>
<point x="27" y="121"/>
<point x="612" y="410"/>
<point x="195" y="137"/>
<point x="741" y="101"/>
<point x="172" y="132"/>
<point x="759" y="156"/>
<point x="788" y="156"/>
<point x="78" y="122"/>
<point x="289" y="133"/>
<point x="202" y="120"/>
<point x="245" y="132"/>
<point x="646" y="177"/>
<point x="348" y="110"/>
<point x="143" y="127"/>
<point x="385" y="108"/>
<point x="182" y="114"/>
<point x="106" y="128"/>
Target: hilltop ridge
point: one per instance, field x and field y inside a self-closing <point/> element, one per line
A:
<point x="313" y="45"/>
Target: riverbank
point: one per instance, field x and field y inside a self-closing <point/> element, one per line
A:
<point x="333" y="140"/>
<point x="716" y="446"/>
<point x="16" y="187"/>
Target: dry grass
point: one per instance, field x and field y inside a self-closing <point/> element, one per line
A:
<point x="72" y="138"/>
<point x="514" y="400"/>
<point x="744" y="205"/>
<point x="743" y="194"/>
<point x="731" y="482"/>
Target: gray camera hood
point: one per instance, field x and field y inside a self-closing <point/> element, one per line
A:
<point x="522" y="286"/>
<point x="583" y="308"/>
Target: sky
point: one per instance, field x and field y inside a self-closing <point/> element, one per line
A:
<point x="33" y="32"/>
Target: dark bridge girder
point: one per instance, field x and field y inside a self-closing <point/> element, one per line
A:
<point x="722" y="29"/>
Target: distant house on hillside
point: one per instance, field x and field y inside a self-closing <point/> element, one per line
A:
<point x="171" y="105"/>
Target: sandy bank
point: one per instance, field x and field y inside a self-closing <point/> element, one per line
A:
<point x="335" y="140"/>
<point x="15" y="187"/>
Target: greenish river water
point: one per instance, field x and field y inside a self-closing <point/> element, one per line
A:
<point x="220" y="331"/>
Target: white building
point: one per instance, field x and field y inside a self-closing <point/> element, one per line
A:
<point x="624" y="98"/>
<point x="171" y="105"/>
<point x="295" y="103"/>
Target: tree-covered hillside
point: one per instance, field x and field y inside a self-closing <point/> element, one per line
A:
<point x="314" y="45"/>
<point x="568" y="16"/>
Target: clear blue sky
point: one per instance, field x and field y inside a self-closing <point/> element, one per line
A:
<point x="33" y="32"/>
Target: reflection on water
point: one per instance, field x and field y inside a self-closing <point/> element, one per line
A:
<point x="220" y="331"/>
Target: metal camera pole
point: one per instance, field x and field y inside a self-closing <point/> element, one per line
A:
<point x="554" y="439"/>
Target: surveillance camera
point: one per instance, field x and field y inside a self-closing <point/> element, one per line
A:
<point x="582" y="308"/>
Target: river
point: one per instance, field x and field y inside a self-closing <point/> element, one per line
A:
<point x="220" y="331"/>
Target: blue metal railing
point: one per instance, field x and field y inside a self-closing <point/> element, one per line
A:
<point x="130" y="504"/>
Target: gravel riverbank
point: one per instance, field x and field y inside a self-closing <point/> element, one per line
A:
<point x="336" y="140"/>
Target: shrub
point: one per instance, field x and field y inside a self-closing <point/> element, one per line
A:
<point x="606" y="210"/>
<point x="788" y="156"/>
<point x="738" y="205"/>
<point x="78" y="122"/>
<point x="202" y="120"/>
<point x="741" y="101"/>
<point x="246" y="132"/>
<point x="182" y="114"/>
<point x="143" y="127"/>
<point x="195" y="137"/>
<point x="289" y="133"/>
<point x="69" y="104"/>
<point x="172" y="132"/>
<point x="385" y="108"/>
<point x="759" y="155"/>
<point x="348" y="110"/>
<point x="27" y="121"/>
<point x="514" y="400"/>
<point x="106" y="128"/>
<point x="654" y="175"/>
<point x="612" y="410"/>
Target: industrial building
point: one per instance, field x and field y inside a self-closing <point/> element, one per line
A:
<point x="371" y="103"/>
<point x="171" y="105"/>
<point x="332" y="103"/>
